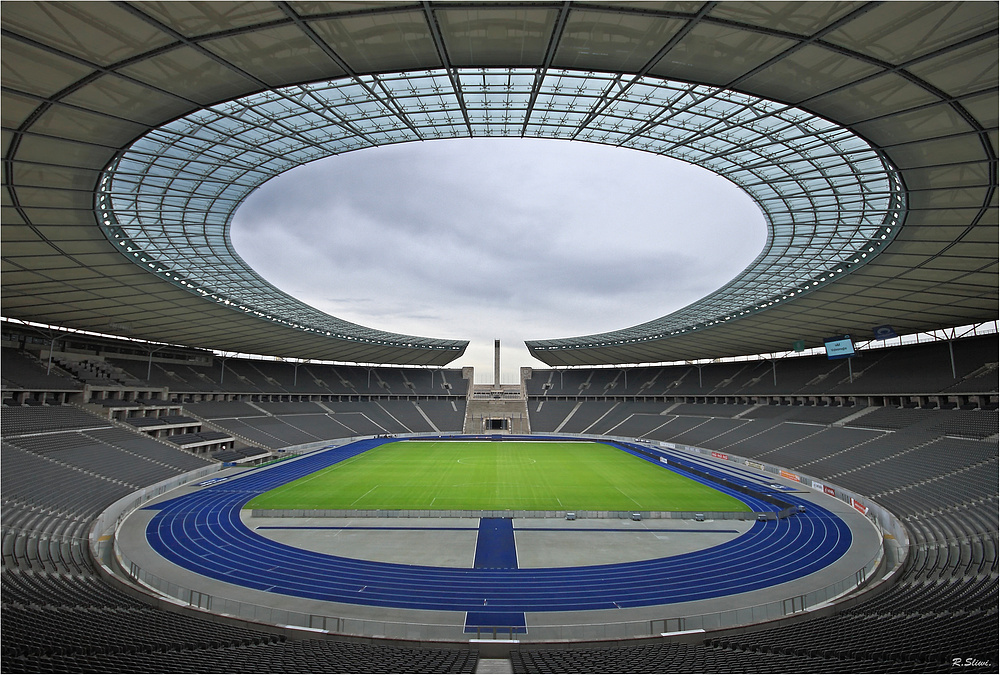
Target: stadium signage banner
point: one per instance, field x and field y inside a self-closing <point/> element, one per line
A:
<point x="825" y="488"/>
<point x="839" y="347"/>
<point x="859" y="506"/>
<point x="790" y="476"/>
<point x="719" y="455"/>
<point x="884" y="332"/>
<point x="755" y="465"/>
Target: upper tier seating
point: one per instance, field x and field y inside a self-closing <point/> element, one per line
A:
<point x="923" y="368"/>
<point x="22" y="371"/>
<point x="252" y="376"/>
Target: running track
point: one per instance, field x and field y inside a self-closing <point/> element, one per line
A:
<point x="203" y="533"/>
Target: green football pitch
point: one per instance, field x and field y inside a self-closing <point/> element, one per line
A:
<point x="488" y="475"/>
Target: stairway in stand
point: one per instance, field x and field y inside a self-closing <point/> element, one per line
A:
<point x="497" y="410"/>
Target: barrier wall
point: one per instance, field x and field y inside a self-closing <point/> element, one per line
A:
<point x="112" y="517"/>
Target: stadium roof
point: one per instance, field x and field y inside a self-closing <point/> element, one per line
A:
<point x="865" y="131"/>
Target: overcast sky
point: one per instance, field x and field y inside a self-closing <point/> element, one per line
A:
<point x="514" y="239"/>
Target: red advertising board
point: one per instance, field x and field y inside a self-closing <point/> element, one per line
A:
<point x="720" y="455"/>
<point x="790" y="476"/>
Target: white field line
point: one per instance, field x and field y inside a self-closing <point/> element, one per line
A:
<point x="364" y="495"/>
<point x="629" y="498"/>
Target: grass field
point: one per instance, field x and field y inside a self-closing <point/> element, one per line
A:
<point x="484" y="475"/>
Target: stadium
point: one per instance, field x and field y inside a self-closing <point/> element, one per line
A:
<point x="795" y="473"/>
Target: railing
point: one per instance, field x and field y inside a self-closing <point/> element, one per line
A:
<point x="498" y="396"/>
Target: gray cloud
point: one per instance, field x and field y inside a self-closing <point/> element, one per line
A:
<point x="483" y="238"/>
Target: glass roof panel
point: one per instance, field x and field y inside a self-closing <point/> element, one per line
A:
<point x="825" y="193"/>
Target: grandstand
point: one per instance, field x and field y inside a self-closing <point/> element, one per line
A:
<point x="933" y="465"/>
<point x="864" y="131"/>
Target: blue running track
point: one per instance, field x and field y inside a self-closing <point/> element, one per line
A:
<point x="203" y="533"/>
